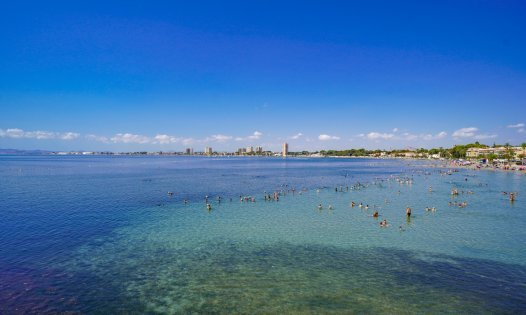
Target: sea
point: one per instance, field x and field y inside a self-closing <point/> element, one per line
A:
<point x="134" y="235"/>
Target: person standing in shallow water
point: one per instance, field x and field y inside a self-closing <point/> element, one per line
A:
<point x="408" y="212"/>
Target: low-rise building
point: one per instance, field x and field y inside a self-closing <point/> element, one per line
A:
<point x="516" y="152"/>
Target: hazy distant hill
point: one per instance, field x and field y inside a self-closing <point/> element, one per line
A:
<point x="24" y="152"/>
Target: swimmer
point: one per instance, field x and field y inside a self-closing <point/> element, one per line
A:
<point x="366" y="207"/>
<point x="352" y="204"/>
<point x="408" y="211"/>
<point x="208" y="207"/>
<point x="320" y="207"/>
<point x="170" y="193"/>
<point x="384" y="223"/>
<point x="360" y="205"/>
<point x="375" y="214"/>
<point x="330" y="207"/>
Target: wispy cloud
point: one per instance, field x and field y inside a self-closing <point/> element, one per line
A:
<point x="519" y="127"/>
<point x="484" y="137"/>
<point x="165" y="139"/>
<point x="256" y="135"/>
<point x="130" y="138"/>
<point x="378" y="135"/>
<point x="140" y="139"/>
<point x="296" y="136"/>
<point x="69" y="136"/>
<point x="324" y="137"/>
<point x="395" y="136"/>
<point x="218" y="138"/>
<point x="429" y="137"/>
<point x="468" y="132"/>
<point x="17" y="133"/>
<point x="471" y="132"/>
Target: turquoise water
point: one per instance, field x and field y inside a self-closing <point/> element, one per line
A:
<point x="101" y="235"/>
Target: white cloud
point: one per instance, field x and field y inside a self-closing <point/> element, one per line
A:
<point x="129" y="138"/>
<point x="484" y="136"/>
<point x="465" y="132"/>
<point x="165" y="139"/>
<point x="471" y="132"/>
<point x="256" y="135"/>
<point x="440" y="135"/>
<point x="519" y="127"/>
<point x="395" y="130"/>
<point x="296" y="136"/>
<point x="17" y="133"/>
<point x="12" y="133"/>
<point x="41" y="135"/>
<point x="408" y="136"/>
<point x="378" y="136"/>
<point x="69" y="136"/>
<point x="219" y="138"/>
<point x="327" y="137"/>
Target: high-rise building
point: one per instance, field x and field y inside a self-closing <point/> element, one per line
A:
<point x="250" y="149"/>
<point x="285" y="149"/>
<point x="259" y="150"/>
<point x="208" y="151"/>
<point x="189" y="151"/>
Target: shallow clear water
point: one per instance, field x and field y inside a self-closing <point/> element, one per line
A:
<point x="101" y="235"/>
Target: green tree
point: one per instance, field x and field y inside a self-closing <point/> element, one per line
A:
<point x="491" y="157"/>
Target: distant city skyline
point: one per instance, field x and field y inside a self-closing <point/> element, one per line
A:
<point x="375" y="75"/>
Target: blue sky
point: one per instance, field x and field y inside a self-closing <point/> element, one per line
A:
<point x="149" y="75"/>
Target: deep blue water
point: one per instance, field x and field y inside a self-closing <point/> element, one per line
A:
<point x="100" y="235"/>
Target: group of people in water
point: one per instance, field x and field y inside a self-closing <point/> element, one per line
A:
<point x="402" y="180"/>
